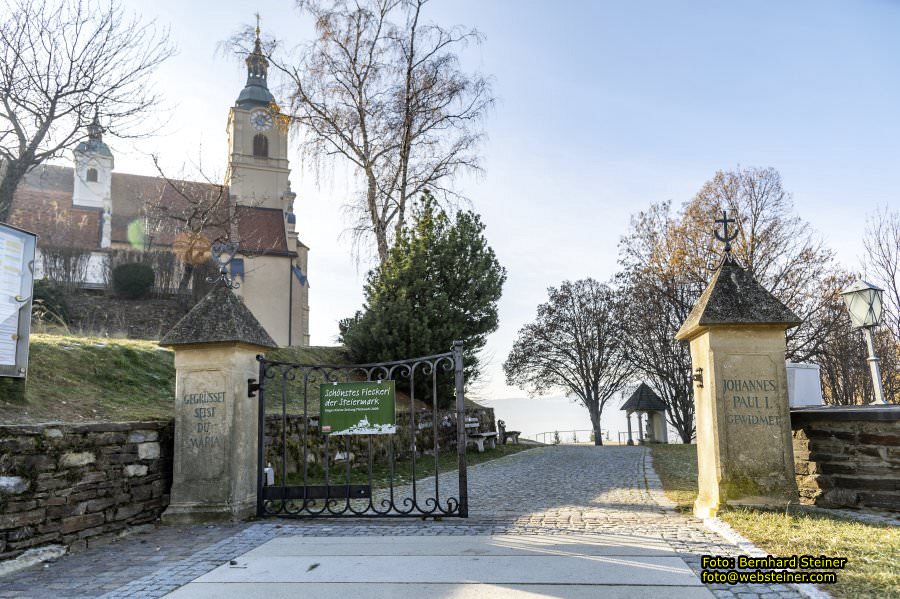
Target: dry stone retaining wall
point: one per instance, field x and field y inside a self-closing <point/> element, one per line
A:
<point x="848" y="457"/>
<point x="76" y="484"/>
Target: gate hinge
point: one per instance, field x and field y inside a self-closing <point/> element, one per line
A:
<point x="252" y="387"/>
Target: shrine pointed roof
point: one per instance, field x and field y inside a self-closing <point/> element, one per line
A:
<point x="220" y="317"/>
<point x="732" y="297"/>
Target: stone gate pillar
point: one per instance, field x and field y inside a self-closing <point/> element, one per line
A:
<point x="737" y="336"/>
<point x="215" y="457"/>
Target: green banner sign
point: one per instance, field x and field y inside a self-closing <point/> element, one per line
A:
<point x="357" y="408"/>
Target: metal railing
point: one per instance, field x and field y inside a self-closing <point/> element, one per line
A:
<point x="569" y="437"/>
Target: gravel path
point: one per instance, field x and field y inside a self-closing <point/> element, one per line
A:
<point x="557" y="490"/>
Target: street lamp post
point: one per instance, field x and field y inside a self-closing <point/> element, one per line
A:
<point x="864" y="302"/>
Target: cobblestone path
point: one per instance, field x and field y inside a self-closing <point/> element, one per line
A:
<point x="545" y="491"/>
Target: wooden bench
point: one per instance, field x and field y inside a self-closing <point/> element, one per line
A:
<point x="473" y="436"/>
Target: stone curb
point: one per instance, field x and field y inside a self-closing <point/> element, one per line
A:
<point x="654" y="488"/>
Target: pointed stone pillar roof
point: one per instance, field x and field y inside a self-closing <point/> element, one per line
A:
<point x="220" y="317"/>
<point x="734" y="297"/>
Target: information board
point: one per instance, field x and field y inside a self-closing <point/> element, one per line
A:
<point x="357" y="408"/>
<point x="17" y="249"/>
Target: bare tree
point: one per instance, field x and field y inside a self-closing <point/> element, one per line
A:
<point x="882" y="263"/>
<point x="61" y="63"/>
<point x="668" y="258"/>
<point x="382" y="89"/>
<point x="778" y="247"/>
<point x="660" y="297"/>
<point x="194" y="215"/>
<point x="575" y="344"/>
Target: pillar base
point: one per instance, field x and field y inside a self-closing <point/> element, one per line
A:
<point x="201" y="513"/>
<point x="705" y="508"/>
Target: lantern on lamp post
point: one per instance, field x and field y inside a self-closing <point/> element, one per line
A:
<point x="223" y="253"/>
<point x="864" y="302"/>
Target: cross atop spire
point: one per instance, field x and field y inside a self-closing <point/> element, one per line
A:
<point x="726" y="237"/>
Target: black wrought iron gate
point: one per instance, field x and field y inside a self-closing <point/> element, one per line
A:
<point x="418" y="471"/>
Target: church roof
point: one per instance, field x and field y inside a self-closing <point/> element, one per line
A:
<point x="220" y="317"/>
<point x="643" y="400"/>
<point x="48" y="212"/>
<point x="733" y="296"/>
<point x="43" y="204"/>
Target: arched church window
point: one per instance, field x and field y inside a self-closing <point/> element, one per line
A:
<point x="92" y="175"/>
<point x="261" y="145"/>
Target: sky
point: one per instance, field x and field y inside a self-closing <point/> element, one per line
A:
<point x="603" y="108"/>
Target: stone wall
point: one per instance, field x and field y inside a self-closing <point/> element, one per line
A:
<point x="78" y="484"/>
<point x="848" y="456"/>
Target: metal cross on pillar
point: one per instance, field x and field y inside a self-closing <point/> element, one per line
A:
<point x="726" y="237"/>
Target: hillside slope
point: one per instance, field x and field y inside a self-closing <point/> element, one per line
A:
<point x="84" y="379"/>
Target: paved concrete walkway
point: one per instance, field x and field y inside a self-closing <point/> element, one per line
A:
<point x="565" y="521"/>
<point x="580" y="565"/>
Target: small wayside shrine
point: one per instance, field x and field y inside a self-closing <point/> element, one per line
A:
<point x="651" y="411"/>
<point x="737" y="337"/>
<point x="215" y="470"/>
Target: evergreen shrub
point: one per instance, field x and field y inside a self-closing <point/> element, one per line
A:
<point x="133" y="280"/>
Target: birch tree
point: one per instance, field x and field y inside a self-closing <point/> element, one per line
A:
<point x="381" y="89"/>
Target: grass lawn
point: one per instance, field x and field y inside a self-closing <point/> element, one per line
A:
<point x="76" y="379"/>
<point x="873" y="551"/>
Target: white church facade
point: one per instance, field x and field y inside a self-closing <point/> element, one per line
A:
<point x="92" y="209"/>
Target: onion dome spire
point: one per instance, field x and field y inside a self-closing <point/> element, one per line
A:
<point x="256" y="90"/>
<point x="94" y="143"/>
<point x="95" y="131"/>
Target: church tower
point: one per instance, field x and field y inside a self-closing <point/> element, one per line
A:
<point x="257" y="140"/>
<point x="272" y="262"/>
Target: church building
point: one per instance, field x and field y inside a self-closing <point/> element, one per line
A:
<point x="91" y="209"/>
